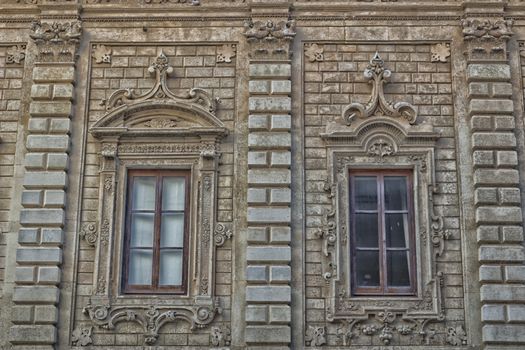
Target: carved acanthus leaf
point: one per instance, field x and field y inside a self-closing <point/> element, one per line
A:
<point x="315" y="53"/>
<point x="315" y="336"/>
<point x="440" y="52"/>
<point x="151" y="318"/>
<point x="81" y="336"/>
<point x="15" y="54"/>
<point x="101" y="53"/>
<point x="160" y="90"/>
<point x="381" y="148"/>
<point x="456" y="336"/>
<point x="378" y="105"/>
<point x="225" y="53"/>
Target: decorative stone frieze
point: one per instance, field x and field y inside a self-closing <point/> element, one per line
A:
<point x="486" y="38"/>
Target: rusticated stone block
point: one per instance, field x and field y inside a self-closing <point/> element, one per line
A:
<point x="504" y="333"/>
<point x="257" y="235"/>
<point x="269" y="70"/>
<point x="28" y="236"/>
<point x="496" y="176"/>
<point x="32" y="198"/>
<point x="64" y="73"/>
<point x="36" y="179"/>
<point x="36" y="295"/>
<point x="488" y="71"/>
<point x="492" y="313"/>
<point x="51" y="143"/>
<point x="268" y="334"/>
<point x="46" y="217"/>
<point x="33" y="334"/>
<point x="281" y="87"/>
<point x="280" y="196"/>
<point x="507" y="215"/>
<point x="257" y="274"/>
<point x="52" y="236"/>
<point x="257" y="195"/>
<point x="270" y="104"/>
<point x="268" y="215"/>
<point x="280" y="314"/>
<point x="493" y="140"/>
<point x="269" y="176"/>
<point x="50" y="109"/>
<point x="502" y="292"/>
<point x="25" y="274"/>
<point x="280" y="234"/>
<point x="268" y="294"/>
<point x="270" y="140"/>
<point x="256" y="122"/>
<point x="269" y="253"/>
<point x="259" y="86"/>
<point x="491" y="106"/>
<point x="57" y="161"/>
<point x="280" y="274"/>
<point x="39" y="256"/>
<point x="49" y="275"/>
<point x="22" y="314"/>
<point x="501" y="253"/>
<point x="281" y="159"/>
<point x="256" y="313"/>
<point x="490" y="273"/>
<point x="257" y="158"/>
<point x="281" y="122"/>
<point x="515" y="273"/>
<point x="40" y="91"/>
<point x="62" y="91"/>
<point x="516" y="313"/>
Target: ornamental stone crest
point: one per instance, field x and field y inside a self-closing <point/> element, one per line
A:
<point x="57" y="41"/>
<point x="160" y="90"/>
<point x="378" y="105"/>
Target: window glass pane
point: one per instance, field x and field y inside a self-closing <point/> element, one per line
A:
<point x="142" y="229"/>
<point x="170" y="267"/>
<point x="173" y="193"/>
<point x="395" y="193"/>
<point x="140" y="261"/>
<point x="397" y="262"/>
<point x="366" y="230"/>
<point x="367" y="268"/>
<point x="396" y="226"/>
<point x="365" y="188"/>
<point x="144" y="193"/>
<point x="172" y="230"/>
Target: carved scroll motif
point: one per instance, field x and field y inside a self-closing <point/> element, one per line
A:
<point x="160" y="90"/>
<point x="378" y="105"/>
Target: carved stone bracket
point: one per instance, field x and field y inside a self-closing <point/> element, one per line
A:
<point x="378" y="104"/>
<point x="15" y="54"/>
<point x="151" y="317"/>
<point x="160" y="91"/>
<point x="101" y="53"/>
<point x="486" y="39"/>
<point x="270" y="39"/>
<point x="57" y="41"/>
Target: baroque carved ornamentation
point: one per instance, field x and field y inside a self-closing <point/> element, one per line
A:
<point x="456" y="336"/>
<point x="327" y="232"/>
<point x="89" y="233"/>
<point x="15" y="54"/>
<point x="487" y="38"/>
<point x="221" y="234"/>
<point x="378" y="104"/>
<point x="57" y="41"/>
<point x="270" y="39"/>
<point x="81" y="336"/>
<point x="440" y="52"/>
<point x="381" y="148"/>
<point x="315" y="336"/>
<point x="220" y="336"/>
<point x="160" y="90"/>
<point x="101" y="53"/>
<point x="315" y="53"/>
<point x="226" y="52"/>
<point x="151" y="318"/>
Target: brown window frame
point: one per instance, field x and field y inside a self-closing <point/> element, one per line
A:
<point x="383" y="289"/>
<point x="155" y="288"/>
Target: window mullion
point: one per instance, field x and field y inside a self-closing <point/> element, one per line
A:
<point x="156" y="243"/>
<point x="381" y="233"/>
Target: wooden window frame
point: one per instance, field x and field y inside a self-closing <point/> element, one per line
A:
<point x="383" y="289"/>
<point x="155" y="288"/>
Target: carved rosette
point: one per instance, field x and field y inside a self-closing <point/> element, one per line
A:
<point x="101" y="53"/>
<point x="440" y="52"/>
<point x="315" y="53"/>
<point x="486" y="39"/>
<point x="270" y="39"/>
<point x="89" y="233"/>
<point x="56" y="41"/>
<point x="15" y="54"/>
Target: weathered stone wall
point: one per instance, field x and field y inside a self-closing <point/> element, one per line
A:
<point x="269" y="135"/>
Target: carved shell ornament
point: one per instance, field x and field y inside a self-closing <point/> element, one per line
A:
<point x="378" y="104"/>
<point x="160" y="90"/>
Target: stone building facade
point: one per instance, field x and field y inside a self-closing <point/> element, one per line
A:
<point x="273" y="114"/>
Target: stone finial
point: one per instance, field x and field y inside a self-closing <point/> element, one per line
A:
<point x="56" y="41"/>
<point x="378" y="105"/>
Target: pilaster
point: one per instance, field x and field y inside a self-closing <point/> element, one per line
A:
<point x="497" y="197"/>
<point x="39" y="254"/>
<point x="268" y="273"/>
